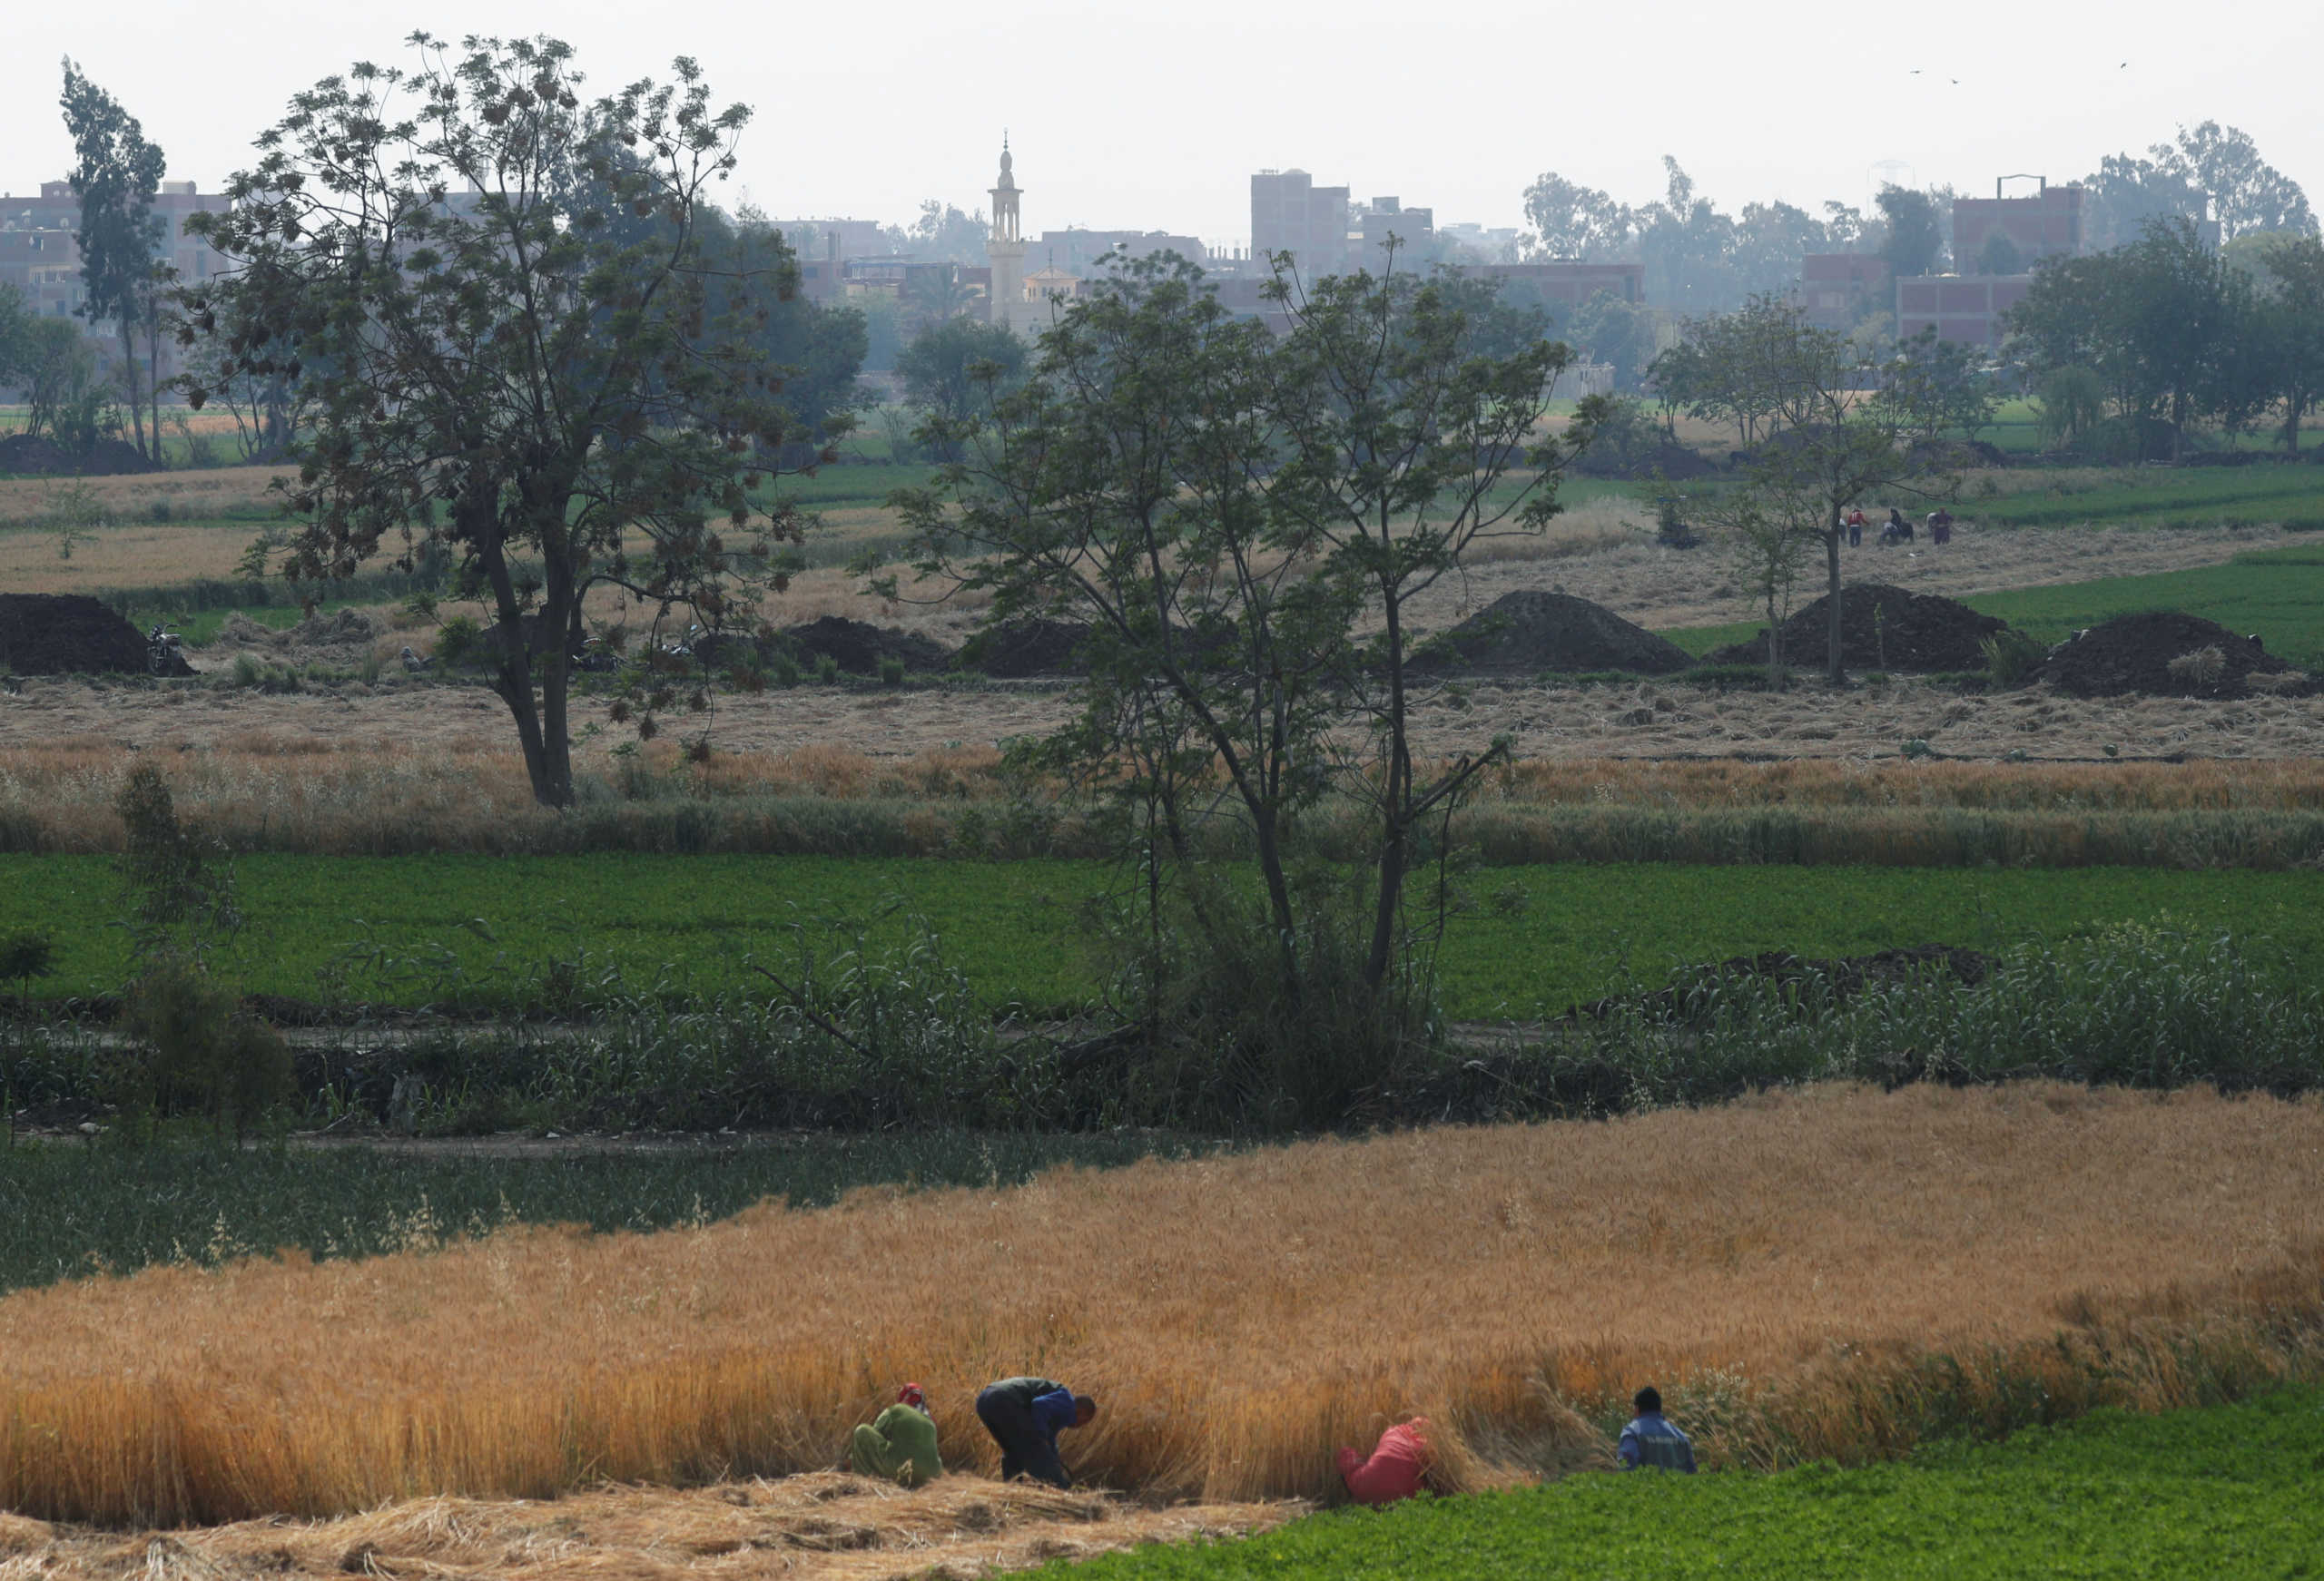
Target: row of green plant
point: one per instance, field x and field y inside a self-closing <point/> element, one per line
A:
<point x="71" y="1208"/>
<point x="2226" y="1490"/>
<point x="2202" y="496"/>
<point x="485" y="934"/>
<point x="1190" y="1031"/>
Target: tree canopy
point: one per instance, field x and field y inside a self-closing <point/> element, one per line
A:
<point x="526" y="351"/>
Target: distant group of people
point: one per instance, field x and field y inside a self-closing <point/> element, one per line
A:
<point x="1025" y="1415"/>
<point x="1898" y="529"/>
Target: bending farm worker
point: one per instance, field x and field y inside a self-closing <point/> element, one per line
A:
<point x="1650" y="1441"/>
<point x="1396" y="1468"/>
<point x="1024" y="1415"/>
<point x="900" y="1446"/>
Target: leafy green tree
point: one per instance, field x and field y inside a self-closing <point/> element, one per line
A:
<point x="2207" y="167"/>
<point x="115" y="175"/>
<point x="1618" y="333"/>
<point x="1915" y="238"/>
<point x="2069" y="401"/>
<point x="1406" y="449"/>
<point x="1574" y="221"/>
<point x="1687" y="246"/>
<point x="522" y="357"/>
<point x="951" y="366"/>
<point x="2290" y="324"/>
<point x="942" y="234"/>
<point x="1943" y="384"/>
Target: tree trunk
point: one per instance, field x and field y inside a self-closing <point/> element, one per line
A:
<point x="129" y="378"/>
<point x="1834" y="670"/>
<point x="1395" y="794"/>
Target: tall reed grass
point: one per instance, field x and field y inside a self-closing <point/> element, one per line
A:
<point x="1826" y="1273"/>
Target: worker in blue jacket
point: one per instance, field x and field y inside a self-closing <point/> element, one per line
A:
<point x="1024" y="1415"/>
<point x="1653" y="1440"/>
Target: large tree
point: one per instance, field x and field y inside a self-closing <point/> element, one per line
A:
<point x="1574" y="221"/>
<point x="522" y="356"/>
<point x="1916" y="231"/>
<point x="115" y="175"/>
<point x="951" y="366"/>
<point x="2205" y="168"/>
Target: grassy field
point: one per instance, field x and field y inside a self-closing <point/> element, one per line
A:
<point x="1839" y="1273"/>
<point x="2278" y="594"/>
<point x="2224" y="1491"/>
<point x="1539" y="938"/>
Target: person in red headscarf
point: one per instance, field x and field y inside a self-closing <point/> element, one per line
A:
<point x="901" y="1445"/>
<point x="1394" y="1470"/>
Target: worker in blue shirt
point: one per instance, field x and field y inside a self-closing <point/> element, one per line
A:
<point x="1024" y="1415"/>
<point x="1650" y="1440"/>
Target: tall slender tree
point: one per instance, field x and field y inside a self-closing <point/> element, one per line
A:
<point x="115" y="175"/>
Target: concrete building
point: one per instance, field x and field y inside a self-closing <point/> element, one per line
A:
<point x="40" y="258"/>
<point x="1086" y="254"/>
<point x="1290" y="213"/>
<point x="1958" y="307"/>
<point x="1836" y="287"/>
<point x="1384" y="217"/>
<point x="2047" y="224"/>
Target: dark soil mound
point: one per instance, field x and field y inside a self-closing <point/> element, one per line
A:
<point x="47" y="633"/>
<point x="1529" y="632"/>
<point x="1955" y="454"/>
<point x="28" y="456"/>
<point x="1881" y="628"/>
<point x="2134" y="652"/>
<point x="858" y="646"/>
<point x="1025" y="648"/>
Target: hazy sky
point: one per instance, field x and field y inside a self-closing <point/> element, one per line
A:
<point x="1153" y="114"/>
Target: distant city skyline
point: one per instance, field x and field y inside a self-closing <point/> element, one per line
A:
<point x="1119" y="123"/>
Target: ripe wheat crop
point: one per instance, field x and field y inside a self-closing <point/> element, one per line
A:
<point x="1826" y="1273"/>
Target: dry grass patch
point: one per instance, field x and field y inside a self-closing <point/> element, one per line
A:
<point x="824" y="1526"/>
<point x="1822" y="1273"/>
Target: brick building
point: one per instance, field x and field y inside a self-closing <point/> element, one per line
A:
<point x="39" y="258"/>
<point x="2047" y="224"/>
<point x="1836" y="287"/>
<point x="1569" y="285"/>
<point x="1966" y="308"/>
<point x="1084" y="253"/>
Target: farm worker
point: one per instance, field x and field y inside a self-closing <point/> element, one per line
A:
<point x="1940" y="526"/>
<point x="900" y="1446"/>
<point x="1650" y="1440"/>
<point x="1856" y="527"/>
<point x="1395" y="1468"/>
<point x="1024" y="1415"/>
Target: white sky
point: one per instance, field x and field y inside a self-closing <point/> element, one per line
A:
<point x="1153" y="115"/>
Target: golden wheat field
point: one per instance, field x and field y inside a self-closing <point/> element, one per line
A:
<point x="1788" y="1267"/>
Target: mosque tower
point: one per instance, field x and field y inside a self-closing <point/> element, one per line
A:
<point x="1005" y="252"/>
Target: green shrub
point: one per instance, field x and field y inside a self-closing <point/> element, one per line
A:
<point x="2012" y="656"/>
<point x="459" y="641"/>
<point x="785" y="670"/>
<point x="827" y="670"/>
<point x="194" y="1048"/>
<point x="892" y="672"/>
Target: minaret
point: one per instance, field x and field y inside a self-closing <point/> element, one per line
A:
<point x="1005" y="252"/>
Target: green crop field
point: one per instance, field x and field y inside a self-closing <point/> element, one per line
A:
<point x="2229" y="1491"/>
<point x="1540" y="937"/>
<point x="2276" y="592"/>
<point x="2200" y="497"/>
<point x="66" y="1209"/>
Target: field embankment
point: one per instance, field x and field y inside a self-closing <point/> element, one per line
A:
<point x="1830" y="1273"/>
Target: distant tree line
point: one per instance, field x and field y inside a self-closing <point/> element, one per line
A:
<point x="2128" y="350"/>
